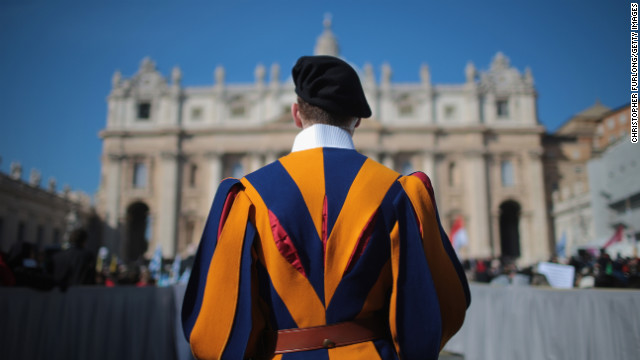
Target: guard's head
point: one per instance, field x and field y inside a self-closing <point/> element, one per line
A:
<point x="329" y="91"/>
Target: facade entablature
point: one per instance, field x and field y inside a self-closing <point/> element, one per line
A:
<point x="500" y="96"/>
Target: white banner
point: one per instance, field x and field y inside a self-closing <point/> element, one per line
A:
<point x="559" y="276"/>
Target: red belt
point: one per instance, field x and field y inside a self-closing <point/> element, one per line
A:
<point x="330" y="336"/>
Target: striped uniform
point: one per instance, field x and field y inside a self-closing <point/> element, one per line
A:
<point x="323" y="236"/>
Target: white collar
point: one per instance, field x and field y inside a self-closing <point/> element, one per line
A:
<point x="321" y="135"/>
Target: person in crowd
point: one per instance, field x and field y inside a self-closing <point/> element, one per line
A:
<point x="75" y="265"/>
<point x="27" y="269"/>
<point x="6" y="275"/>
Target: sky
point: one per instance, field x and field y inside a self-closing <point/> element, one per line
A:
<point x="57" y="57"/>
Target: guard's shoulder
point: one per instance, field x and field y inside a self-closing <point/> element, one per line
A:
<point x="424" y="178"/>
<point x="266" y="170"/>
<point x="227" y="189"/>
<point x="228" y="185"/>
<point x="417" y="182"/>
<point x="381" y="168"/>
<point x="229" y="182"/>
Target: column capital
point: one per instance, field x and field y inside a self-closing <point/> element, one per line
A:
<point x="475" y="153"/>
<point x="209" y="155"/>
<point x="536" y="154"/>
<point x="171" y="155"/>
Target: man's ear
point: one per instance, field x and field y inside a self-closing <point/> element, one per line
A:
<point x="357" y="123"/>
<point x="295" y="113"/>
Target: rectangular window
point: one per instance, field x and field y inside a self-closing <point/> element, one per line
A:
<point x="237" y="171"/>
<point x="407" y="168"/>
<point x="406" y="109"/>
<point x="144" y="111"/>
<point x="506" y="171"/>
<point x="622" y="119"/>
<point x="453" y="174"/>
<point x="139" y="175"/>
<point x="233" y="166"/>
<point x="575" y="154"/>
<point x="196" y="114"/>
<point x="502" y="108"/>
<point x="449" y="112"/>
<point x="237" y="110"/>
<point x="190" y="232"/>
<point x="193" y="174"/>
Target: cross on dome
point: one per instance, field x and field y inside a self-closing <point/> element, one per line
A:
<point x="327" y="44"/>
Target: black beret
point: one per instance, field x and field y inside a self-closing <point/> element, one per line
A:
<point x="330" y="84"/>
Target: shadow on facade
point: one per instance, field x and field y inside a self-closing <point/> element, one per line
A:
<point x="136" y="231"/>
<point x="509" y="233"/>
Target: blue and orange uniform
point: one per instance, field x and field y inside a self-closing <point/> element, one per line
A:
<point x="324" y="236"/>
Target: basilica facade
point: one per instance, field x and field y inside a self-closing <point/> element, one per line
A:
<point x="166" y="147"/>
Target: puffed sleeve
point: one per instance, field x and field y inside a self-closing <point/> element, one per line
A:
<point x="430" y="293"/>
<point x="219" y="315"/>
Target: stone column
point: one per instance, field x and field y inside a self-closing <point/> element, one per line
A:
<point x="169" y="203"/>
<point x="539" y="247"/>
<point x="372" y="155"/>
<point x="270" y="157"/>
<point x="496" y="240"/>
<point x="256" y="162"/>
<point x="475" y="184"/>
<point x="528" y="237"/>
<point x="428" y="166"/>
<point x="215" y="176"/>
<point x="114" y="189"/>
<point x="388" y="161"/>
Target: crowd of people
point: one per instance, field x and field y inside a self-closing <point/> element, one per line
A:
<point x="24" y="265"/>
<point x="591" y="270"/>
<point x="61" y="267"/>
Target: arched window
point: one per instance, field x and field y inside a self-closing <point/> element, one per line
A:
<point x="138" y="229"/>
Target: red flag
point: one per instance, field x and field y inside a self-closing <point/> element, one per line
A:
<point x="617" y="237"/>
<point x="459" y="236"/>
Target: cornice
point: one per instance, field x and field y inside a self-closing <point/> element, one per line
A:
<point x="248" y="129"/>
<point x="171" y="155"/>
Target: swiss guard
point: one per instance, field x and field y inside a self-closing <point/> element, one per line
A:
<point x="324" y="253"/>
